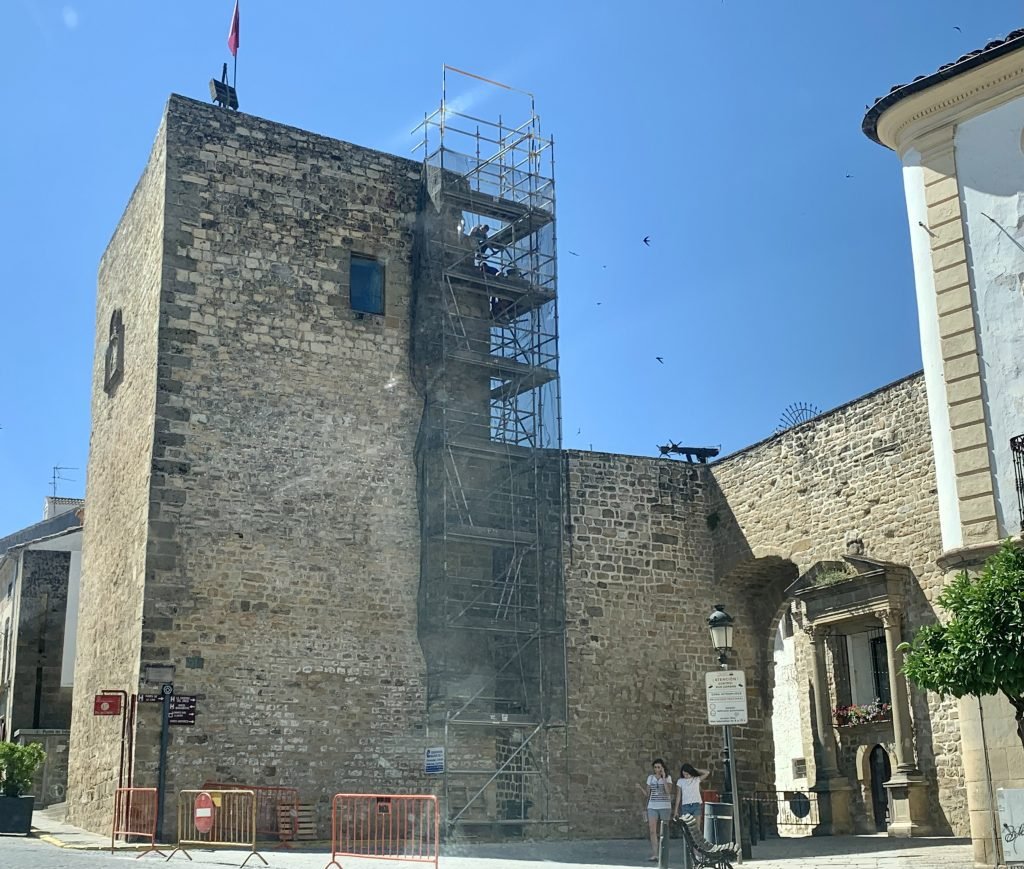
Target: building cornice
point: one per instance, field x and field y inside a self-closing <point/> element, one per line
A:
<point x="950" y="99"/>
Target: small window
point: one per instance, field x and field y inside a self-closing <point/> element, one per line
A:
<point x="366" y="285"/>
<point x="799" y="767"/>
<point x="114" y="360"/>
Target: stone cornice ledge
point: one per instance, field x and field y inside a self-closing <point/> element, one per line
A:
<point x="970" y="557"/>
<point x="948" y="102"/>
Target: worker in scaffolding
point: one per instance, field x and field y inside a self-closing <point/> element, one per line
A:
<point x="479" y="235"/>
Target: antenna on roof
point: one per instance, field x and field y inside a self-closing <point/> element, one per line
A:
<point x="58" y="477"/>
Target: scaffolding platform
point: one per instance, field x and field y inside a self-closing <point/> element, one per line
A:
<point x="527" y="296"/>
<point x="485" y="359"/>
<point x="491" y="448"/>
<point x="497" y="208"/>
<point x="488" y="536"/>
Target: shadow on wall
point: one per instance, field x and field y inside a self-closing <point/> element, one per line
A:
<point x="921" y="611"/>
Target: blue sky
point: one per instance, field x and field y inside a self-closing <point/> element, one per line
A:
<point x="723" y="129"/>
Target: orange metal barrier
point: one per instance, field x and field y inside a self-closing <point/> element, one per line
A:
<point x="385" y="827"/>
<point x="135" y="815"/>
<point x="217" y="819"/>
<point x="270" y="819"/>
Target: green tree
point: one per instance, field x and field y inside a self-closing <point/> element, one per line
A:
<point x="18" y="763"/>
<point x="980" y="649"/>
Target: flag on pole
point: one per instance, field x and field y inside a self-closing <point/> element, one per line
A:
<point x="233" y="32"/>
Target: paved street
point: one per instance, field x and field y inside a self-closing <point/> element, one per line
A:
<point x="846" y="852"/>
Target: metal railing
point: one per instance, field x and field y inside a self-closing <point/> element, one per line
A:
<point x="217" y="819"/>
<point x="767" y="811"/>
<point x="277" y="808"/>
<point x="135" y="811"/>
<point x="385" y="827"/>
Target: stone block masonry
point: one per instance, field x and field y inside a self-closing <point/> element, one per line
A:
<point x="281" y="558"/>
<point x="253" y="512"/>
<point x="115" y="535"/>
<point x="654" y="543"/>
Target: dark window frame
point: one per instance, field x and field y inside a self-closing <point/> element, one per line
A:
<point x="361" y="305"/>
<point x="880" y="668"/>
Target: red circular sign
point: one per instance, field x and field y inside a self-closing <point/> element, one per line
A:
<point x="203" y="812"/>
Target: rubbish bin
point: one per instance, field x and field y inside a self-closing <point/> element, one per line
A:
<point x="718" y="823"/>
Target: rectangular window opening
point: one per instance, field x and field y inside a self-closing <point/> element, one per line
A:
<point x="880" y="669"/>
<point x="366" y="285"/>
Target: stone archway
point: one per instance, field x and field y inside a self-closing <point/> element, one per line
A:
<point x="754" y="593"/>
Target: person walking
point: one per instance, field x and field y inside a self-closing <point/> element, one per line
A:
<point x="688" y="798"/>
<point x="658" y="790"/>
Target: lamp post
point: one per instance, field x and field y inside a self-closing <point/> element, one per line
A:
<point x="720" y="624"/>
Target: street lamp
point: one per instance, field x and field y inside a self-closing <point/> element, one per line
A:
<point x="720" y="624"/>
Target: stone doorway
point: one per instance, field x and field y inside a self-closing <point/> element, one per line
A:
<point x="880" y="771"/>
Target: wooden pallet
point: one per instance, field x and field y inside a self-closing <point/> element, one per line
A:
<point x="306" y="828"/>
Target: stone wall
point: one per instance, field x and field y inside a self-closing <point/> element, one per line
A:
<point x="654" y="543"/>
<point x="42" y="599"/>
<point x="639" y="577"/>
<point x="115" y="531"/>
<point x="862" y="471"/>
<point x="283" y="499"/>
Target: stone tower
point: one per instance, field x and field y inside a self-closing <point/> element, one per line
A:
<point x="254" y="423"/>
<point x="959" y="133"/>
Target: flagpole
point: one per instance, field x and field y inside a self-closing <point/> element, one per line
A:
<point x="235" y="84"/>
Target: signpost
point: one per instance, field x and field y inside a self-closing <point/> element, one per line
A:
<point x="182" y="711"/>
<point x="727" y="697"/>
<point x="727" y="705"/>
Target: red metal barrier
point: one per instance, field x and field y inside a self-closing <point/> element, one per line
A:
<point x="269" y="801"/>
<point x="385" y="827"/>
<point x="135" y="816"/>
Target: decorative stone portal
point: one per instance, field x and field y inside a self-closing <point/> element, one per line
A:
<point x="852" y="612"/>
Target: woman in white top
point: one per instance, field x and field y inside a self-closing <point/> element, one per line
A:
<point x="688" y="798"/>
<point x="658" y="790"/>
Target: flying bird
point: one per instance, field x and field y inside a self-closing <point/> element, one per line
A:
<point x="662" y="361"/>
<point x="574" y="253"/>
<point x="848" y="175"/>
<point x="647" y="240"/>
<point x="957" y="28"/>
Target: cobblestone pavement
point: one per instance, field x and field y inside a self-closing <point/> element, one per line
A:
<point x="841" y="852"/>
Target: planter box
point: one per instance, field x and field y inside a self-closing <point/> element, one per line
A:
<point x="16" y="814"/>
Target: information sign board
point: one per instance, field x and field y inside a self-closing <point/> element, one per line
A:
<point x="182" y="710"/>
<point x="433" y="760"/>
<point x="106" y="704"/>
<point x="727" y="696"/>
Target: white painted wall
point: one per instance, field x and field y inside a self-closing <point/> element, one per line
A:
<point x="931" y="351"/>
<point x="990" y="169"/>
<point x="786" y="714"/>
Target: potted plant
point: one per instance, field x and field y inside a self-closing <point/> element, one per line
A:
<point x="18" y="763"/>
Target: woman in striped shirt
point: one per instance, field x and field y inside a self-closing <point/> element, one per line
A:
<point x="658" y="789"/>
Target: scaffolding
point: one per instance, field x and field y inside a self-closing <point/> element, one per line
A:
<point x="485" y="357"/>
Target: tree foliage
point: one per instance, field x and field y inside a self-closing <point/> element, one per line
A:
<point x="979" y="650"/>
<point x="18" y="763"/>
